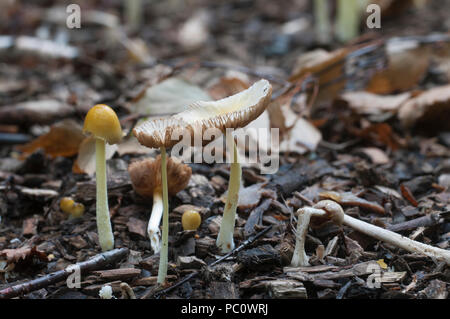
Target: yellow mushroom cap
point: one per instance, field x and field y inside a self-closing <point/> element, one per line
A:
<point x="102" y="122"/>
<point x="191" y="220"/>
<point x="145" y="175"/>
<point x="232" y="112"/>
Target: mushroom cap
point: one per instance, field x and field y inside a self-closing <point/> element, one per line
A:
<point x="231" y="112"/>
<point x="145" y="175"/>
<point x="333" y="210"/>
<point x="102" y="122"/>
<point x="191" y="219"/>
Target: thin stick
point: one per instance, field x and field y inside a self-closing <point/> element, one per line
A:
<point x="249" y="241"/>
<point x="97" y="262"/>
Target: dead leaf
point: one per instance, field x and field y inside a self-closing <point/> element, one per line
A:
<point x="407" y="64"/>
<point x="85" y="162"/>
<point x="36" y="112"/>
<point x="228" y="85"/>
<point x="369" y="103"/>
<point x="326" y="67"/>
<point x="22" y="254"/>
<point x="194" y="32"/>
<point x="63" y="139"/>
<point x="169" y="96"/>
<point x="376" y="155"/>
<point x="428" y="111"/>
<point x="380" y="133"/>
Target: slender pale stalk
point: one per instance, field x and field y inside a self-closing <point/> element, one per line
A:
<point x="347" y="21"/>
<point x="155" y="220"/>
<point x="322" y="21"/>
<point x="299" y="258"/>
<point x="105" y="235"/>
<point x="397" y="239"/>
<point x="225" y="238"/>
<point x="164" y="254"/>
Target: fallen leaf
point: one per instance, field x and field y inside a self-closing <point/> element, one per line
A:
<point x="376" y="155"/>
<point x="428" y="111"/>
<point x="85" y="162"/>
<point x="36" y="112"/>
<point x="169" y="96"/>
<point x="194" y="32"/>
<point x="63" y="139"/>
<point x="22" y="254"/>
<point x="407" y="64"/>
<point x="326" y="67"/>
<point x="369" y="103"/>
<point x="228" y="85"/>
<point x="380" y="133"/>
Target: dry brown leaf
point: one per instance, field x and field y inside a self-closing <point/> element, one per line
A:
<point x="22" y="254"/>
<point x="376" y="155"/>
<point x="407" y="64"/>
<point x="63" y="139"/>
<point x="325" y="65"/>
<point x="428" y="111"/>
<point x="380" y="133"/>
<point x="226" y="86"/>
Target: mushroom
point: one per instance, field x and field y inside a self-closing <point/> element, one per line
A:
<point x="232" y="112"/>
<point x="102" y="122"/>
<point x="191" y="219"/>
<point x="327" y="210"/>
<point x="145" y="177"/>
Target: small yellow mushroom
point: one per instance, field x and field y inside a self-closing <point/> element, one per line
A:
<point x="191" y="220"/>
<point x="69" y="206"/>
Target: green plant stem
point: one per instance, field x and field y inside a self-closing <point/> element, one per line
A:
<point x="322" y="21"/>
<point x="225" y="240"/>
<point x="164" y="254"/>
<point x="347" y="23"/>
<point x="105" y="235"/>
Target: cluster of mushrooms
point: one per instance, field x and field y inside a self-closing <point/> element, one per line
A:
<point x="158" y="178"/>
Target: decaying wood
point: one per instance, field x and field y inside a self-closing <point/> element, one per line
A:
<point x="286" y="289"/>
<point x="98" y="261"/>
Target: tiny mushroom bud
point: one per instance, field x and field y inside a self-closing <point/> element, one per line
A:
<point x="191" y="220"/>
<point x="212" y="118"/>
<point x="69" y="206"/>
<point x="145" y="177"/>
<point x="102" y="123"/>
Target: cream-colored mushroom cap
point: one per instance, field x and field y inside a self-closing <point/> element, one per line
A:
<point x="145" y="175"/>
<point x="231" y="112"/>
<point x="102" y="122"/>
<point x="333" y="212"/>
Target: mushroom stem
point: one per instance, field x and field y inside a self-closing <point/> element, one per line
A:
<point x="164" y="255"/>
<point x="105" y="235"/>
<point x="299" y="258"/>
<point x="397" y="239"/>
<point x="155" y="220"/>
<point x="225" y="238"/>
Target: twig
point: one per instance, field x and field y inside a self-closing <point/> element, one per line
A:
<point x="96" y="262"/>
<point x="160" y="293"/>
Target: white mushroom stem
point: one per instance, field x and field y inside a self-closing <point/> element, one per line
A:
<point x="105" y="235"/>
<point x="164" y="255"/>
<point x="155" y="220"/>
<point x="299" y="258"/>
<point x="225" y="240"/>
<point x="397" y="239"/>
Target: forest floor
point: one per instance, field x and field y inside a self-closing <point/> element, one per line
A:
<point x="364" y="123"/>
